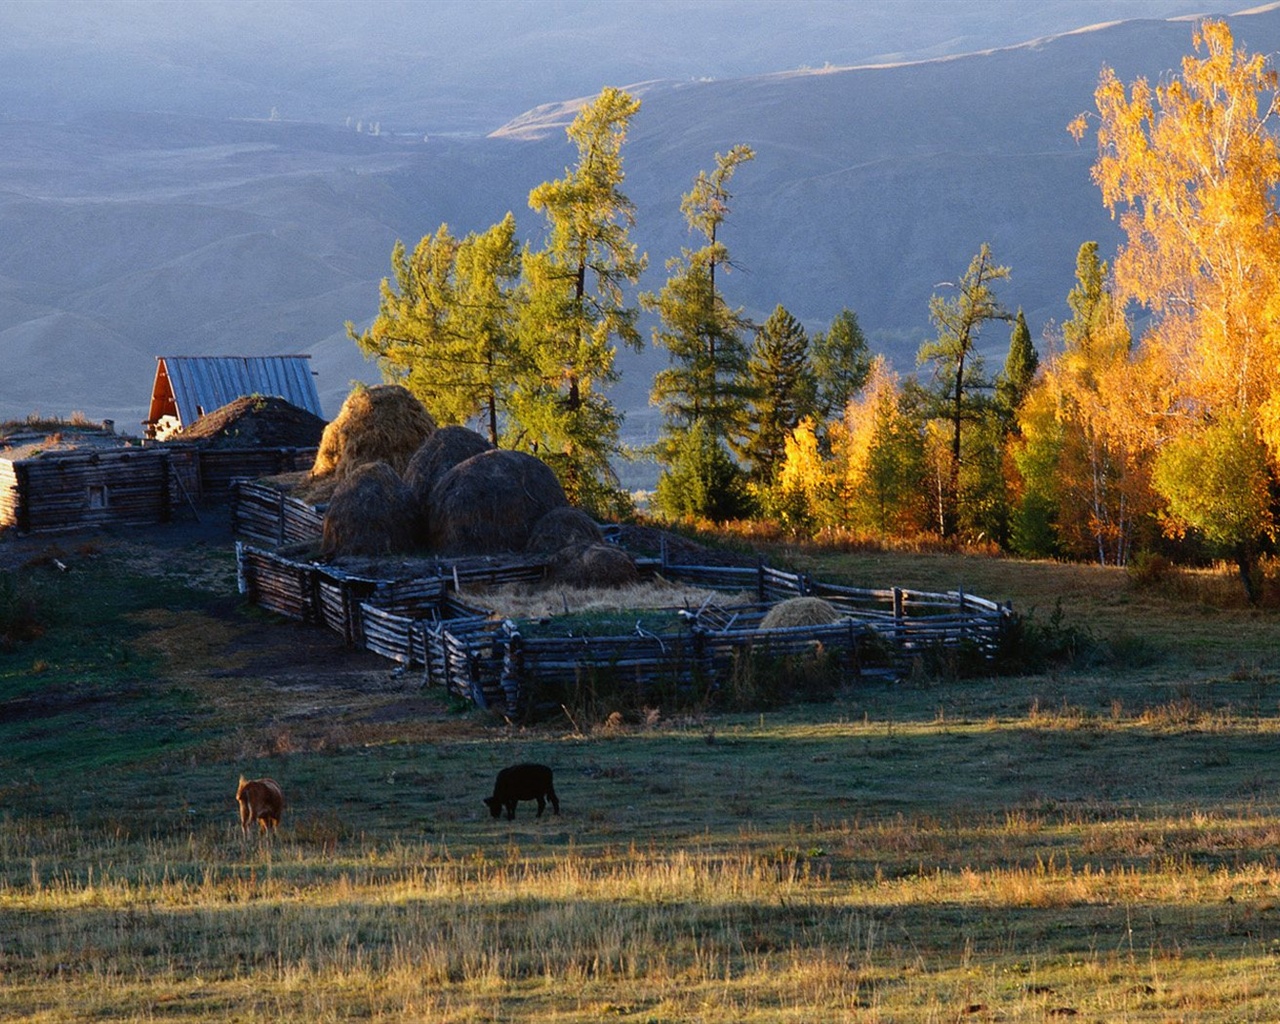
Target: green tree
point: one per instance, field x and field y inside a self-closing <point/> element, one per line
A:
<point x="781" y="383"/>
<point x="702" y="480"/>
<point x="706" y="378"/>
<point x="445" y="328"/>
<point x="1014" y="381"/>
<point x="957" y="366"/>
<point x="841" y="364"/>
<point x="878" y="450"/>
<point x="1217" y="480"/>
<point x="576" y="307"/>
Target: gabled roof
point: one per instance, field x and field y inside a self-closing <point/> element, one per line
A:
<point x="190" y="386"/>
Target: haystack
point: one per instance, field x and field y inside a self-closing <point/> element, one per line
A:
<point x="256" y="421"/>
<point x="800" y="611"/>
<point x="438" y="454"/>
<point x="384" y="423"/>
<point x="561" y="528"/>
<point x="490" y="503"/>
<point x="371" y="513"/>
<point x="592" y="566"/>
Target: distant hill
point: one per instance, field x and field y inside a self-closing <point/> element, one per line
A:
<point x="128" y="236"/>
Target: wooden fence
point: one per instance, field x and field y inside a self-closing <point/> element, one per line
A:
<point x="424" y="623"/>
<point x="269" y="516"/>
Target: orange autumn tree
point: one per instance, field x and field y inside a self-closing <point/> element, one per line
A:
<point x="1192" y="168"/>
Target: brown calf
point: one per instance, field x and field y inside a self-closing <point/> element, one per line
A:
<point x="260" y="800"/>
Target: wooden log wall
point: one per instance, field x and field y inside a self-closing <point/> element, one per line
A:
<point x="277" y="584"/>
<point x="140" y="486"/>
<point x="12" y="511"/>
<point x="72" y="491"/>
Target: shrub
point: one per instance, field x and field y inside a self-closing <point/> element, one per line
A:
<point x="20" y="617"/>
<point x="1032" y="645"/>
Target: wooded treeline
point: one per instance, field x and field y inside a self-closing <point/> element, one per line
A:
<point x="1107" y="442"/>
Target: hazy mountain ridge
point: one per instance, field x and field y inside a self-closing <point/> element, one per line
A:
<point x="124" y="237"/>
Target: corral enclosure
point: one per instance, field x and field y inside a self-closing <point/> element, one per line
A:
<point x="421" y="615"/>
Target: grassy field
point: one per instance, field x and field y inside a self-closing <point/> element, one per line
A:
<point x="1095" y="841"/>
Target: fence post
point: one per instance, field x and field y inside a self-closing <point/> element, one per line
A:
<point x="511" y="666"/>
<point x="898" y="626"/>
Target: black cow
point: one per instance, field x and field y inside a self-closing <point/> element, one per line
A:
<point x="522" y="782"/>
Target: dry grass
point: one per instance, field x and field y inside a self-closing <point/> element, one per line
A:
<point x="525" y="601"/>
<point x="835" y="920"/>
<point x="1097" y="845"/>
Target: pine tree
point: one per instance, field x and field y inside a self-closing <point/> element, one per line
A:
<point x="701" y="481"/>
<point x="576" y="307"/>
<point x="958" y="369"/>
<point x="841" y="364"/>
<point x="1014" y="381"/>
<point x="445" y="328"/>
<point x="703" y="335"/>
<point x="782" y="387"/>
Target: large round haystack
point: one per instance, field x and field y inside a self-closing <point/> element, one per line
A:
<point x="438" y="454"/>
<point x="384" y="423"/>
<point x="490" y="502"/>
<point x="800" y="611"/>
<point x="371" y="513"/>
<point x="592" y="566"/>
<point x="561" y="528"/>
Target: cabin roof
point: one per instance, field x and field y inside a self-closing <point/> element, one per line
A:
<point x="187" y="387"/>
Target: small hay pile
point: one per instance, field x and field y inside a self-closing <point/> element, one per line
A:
<point x="371" y="513"/>
<point x="256" y="421"/>
<point x="384" y="423"/>
<point x="490" y="503"/>
<point x="800" y="611"/>
<point x="561" y="528"/>
<point x="592" y="566"/>
<point x="439" y="453"/>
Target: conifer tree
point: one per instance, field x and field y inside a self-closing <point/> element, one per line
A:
<point x="445" y="328"/>
<point x="706" y="378"/>
<point x="958" y="373"/>
<point x="841" y="364"/>
<point x="701" y="481"/>
<point x="1014" y="381"/>
<point x="576" y="308"/>
<point x="782" y="389"/>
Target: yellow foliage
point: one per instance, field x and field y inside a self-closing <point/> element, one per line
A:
<point x="803" y="470"/>
<point x="1193" y="167"/>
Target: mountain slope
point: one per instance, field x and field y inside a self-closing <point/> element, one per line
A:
<point x="123" y="237"/>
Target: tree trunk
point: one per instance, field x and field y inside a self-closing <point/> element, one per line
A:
<point x="1247" y="563"/>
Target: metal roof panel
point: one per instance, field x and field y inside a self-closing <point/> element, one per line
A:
<point x="201" y="384"/>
